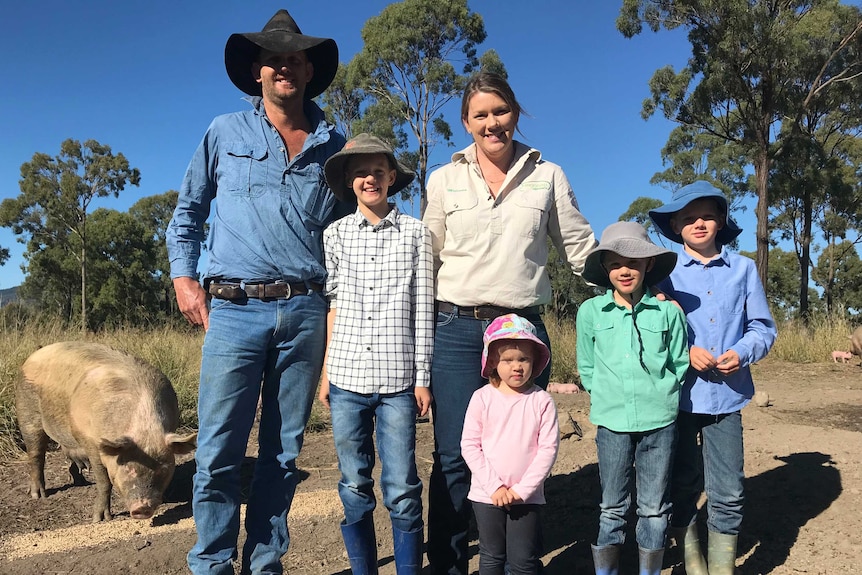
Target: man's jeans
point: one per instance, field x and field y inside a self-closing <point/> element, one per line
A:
<point x="272" y="350"/>
<point x="710" y="455"/>
<point x="353" y="423"/>
<point x="455" y="375"/>
<point x="651" y="453"/>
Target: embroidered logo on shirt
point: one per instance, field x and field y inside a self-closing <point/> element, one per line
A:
<point x="536" y="186"/>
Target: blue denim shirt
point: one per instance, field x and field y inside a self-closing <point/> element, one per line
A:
<point x="268" y="213"/>
<point x="726" y="308"/>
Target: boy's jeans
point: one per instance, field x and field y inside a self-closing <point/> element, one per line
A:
<point x="267" y="350"/>
<point x="651" y="452"/>
<point x="353" y="421"/>
<point x="716" y="465"/>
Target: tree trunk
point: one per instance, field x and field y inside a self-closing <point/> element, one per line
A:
<point x="805" y="259"/>
<point x="83" y="287"/>
<point x="761" y="174"/>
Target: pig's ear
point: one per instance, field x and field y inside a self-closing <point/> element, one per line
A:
<point x="115" y="446"/>
<point x="181" y="444"/>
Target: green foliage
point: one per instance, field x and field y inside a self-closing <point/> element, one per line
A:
<point x="407" y="68"/>
<point x="53" y="206"/>
<point x="839" y="273"/>
<point x="568" y="291"/>
<point x="755" y="65"/>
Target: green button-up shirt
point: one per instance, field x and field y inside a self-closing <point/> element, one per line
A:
<point x="632" y="364"/>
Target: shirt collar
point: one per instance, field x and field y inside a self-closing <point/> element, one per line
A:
<point x="522" y="152"/>
<point x="722" y="259"/>
<point x="316" y="116"/>
<point x="390" y="220"/>
<point x="608" y="301"/>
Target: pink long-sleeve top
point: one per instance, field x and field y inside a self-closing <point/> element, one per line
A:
<point x="510" y="440"/>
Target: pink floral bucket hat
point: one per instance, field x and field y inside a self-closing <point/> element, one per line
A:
<point x="514" y="327"/>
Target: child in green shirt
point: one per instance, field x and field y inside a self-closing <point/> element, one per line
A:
<point x="632" y="359"/>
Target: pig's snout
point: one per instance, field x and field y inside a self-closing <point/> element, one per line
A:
<point x="143" y="509"/>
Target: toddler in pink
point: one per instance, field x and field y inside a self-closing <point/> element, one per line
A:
<point x="510" y="442"/>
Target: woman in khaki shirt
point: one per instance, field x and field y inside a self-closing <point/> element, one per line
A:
<point x="490" y="212"/>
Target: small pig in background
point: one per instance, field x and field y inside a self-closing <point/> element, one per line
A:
<point x="109" y="412"/>
<point x="841" y="356"/>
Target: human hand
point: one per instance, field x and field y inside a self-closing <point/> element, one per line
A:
<point x="728" y="362"/>
<point x="700" y="359"/>
<point x="501" y="497"/>
<point x="515" y="497"/>
<point x="423" y="400"/>
<point x="323" y="394"/>
<point x="192" y="301"/>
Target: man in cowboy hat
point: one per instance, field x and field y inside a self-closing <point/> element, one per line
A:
<point x="266" y="328"/>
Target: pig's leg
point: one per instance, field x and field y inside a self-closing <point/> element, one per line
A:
<point x="33" y="433"/>
<point x="102" y="504"/>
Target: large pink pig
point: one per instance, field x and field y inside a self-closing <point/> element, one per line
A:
<point x="109" y="412"/>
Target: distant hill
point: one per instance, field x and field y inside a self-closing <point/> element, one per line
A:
<point x="8" y="295"/>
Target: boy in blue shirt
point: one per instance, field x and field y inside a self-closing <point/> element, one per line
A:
<point x="377" y="370"/>
<point x="729" y="328"/>
<point x="632" y="358"/>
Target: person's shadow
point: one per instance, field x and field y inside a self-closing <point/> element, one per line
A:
<point x="779" y="502"/>
<point x="570" y="520"/>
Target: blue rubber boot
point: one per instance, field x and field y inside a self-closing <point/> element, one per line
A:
<point x="606" y="559"/>
<point x="408" y="551"/>
<point x="361" y="545"/>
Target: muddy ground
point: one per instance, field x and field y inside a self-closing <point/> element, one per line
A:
<point x="804" y="497"/>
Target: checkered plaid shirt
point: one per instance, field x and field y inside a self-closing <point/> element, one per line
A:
<point x="380" y="280"/>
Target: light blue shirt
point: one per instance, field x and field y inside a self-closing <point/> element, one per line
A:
<point x="726" y="308"/>
<point x="268" y="218"/>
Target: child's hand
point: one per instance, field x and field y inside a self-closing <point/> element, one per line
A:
<point x="323" y="395"/>
<point x="700" y="359"/>
<point x="728" y="362"/>
<point x="515" y="497"/>
<point x="423" y="400"/>
<point x="501" y="498"/>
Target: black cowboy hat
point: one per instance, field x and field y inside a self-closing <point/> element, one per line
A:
<point x="281" y="34"/>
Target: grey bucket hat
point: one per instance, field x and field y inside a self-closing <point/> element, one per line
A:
<point x="630" y="240"/>
<point x="681" y="198"/>
<point x="280" y="34"/>
<point x="363" y="144"/>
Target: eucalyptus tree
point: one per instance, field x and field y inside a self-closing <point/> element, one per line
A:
<point x="56" y="195"/>
<point x="407" y="66"/>
<point x="755" y="66"/>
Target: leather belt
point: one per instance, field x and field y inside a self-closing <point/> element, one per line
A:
<point x="486" y="311"/>
<point x="264" y="290"/>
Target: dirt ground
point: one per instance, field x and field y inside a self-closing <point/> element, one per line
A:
<point x="803" y="490"/>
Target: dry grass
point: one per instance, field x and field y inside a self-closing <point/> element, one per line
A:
<point x="177" y="353"/>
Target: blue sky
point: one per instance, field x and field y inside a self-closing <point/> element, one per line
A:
<point x="146" y="78"/>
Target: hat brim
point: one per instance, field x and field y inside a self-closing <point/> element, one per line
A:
<point x="661" y="217"/>
<point x="665" y="261"/>
<point x="542" y="359"/>
<point x="333" y="170"/>
<point x="242" y="49"/>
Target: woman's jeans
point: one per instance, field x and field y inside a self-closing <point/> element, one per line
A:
<point x="709" y="456"/>
<point x="510" y="540"/>
<point x="353" y="421"/>
<point x="271" y="351"/>
<point x="649" y="456"/>
<point x="455" y="375"/>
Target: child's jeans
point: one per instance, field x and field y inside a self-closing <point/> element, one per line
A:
<point x="709" y="456"/>
<point x="651" y="453"/>
<point x="353" y="421"/>
<point x="510" y="540"/>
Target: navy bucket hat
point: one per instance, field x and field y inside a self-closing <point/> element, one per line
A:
<point x="681" y="198"/>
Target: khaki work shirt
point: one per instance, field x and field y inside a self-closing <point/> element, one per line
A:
<point x="494" y="250"/>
